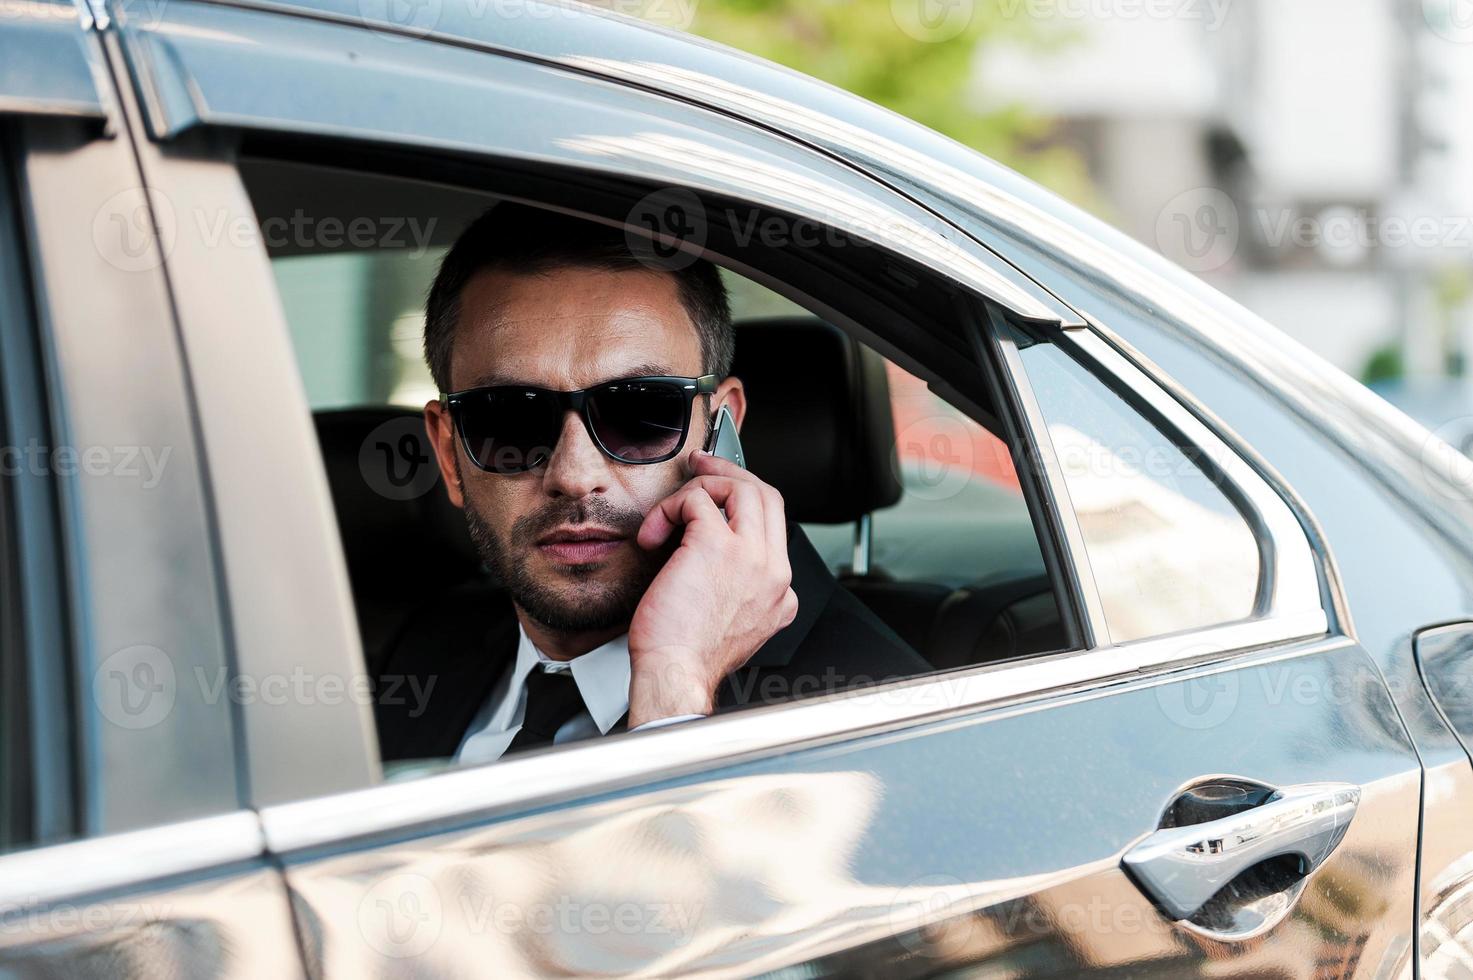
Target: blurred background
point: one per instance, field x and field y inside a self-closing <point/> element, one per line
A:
<point x="1311" y="159"/>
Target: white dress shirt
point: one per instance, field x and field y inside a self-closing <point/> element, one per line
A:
<point x="602" y="675"/>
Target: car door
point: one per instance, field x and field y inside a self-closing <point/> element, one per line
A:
<point x="1206" y="783"/>
<point x="126" y="848"/>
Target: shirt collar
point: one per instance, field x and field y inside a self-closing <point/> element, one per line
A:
<point x="602" y="675"/>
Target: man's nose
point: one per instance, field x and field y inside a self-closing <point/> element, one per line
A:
<point x="576" y="467"/>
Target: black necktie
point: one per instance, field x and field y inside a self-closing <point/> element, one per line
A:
<point x="552" y="700"/>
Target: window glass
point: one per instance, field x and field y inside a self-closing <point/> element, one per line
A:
<point x="1168" y="548"/>
<point x="357" y="323"/>
<point x="961" y="517"/>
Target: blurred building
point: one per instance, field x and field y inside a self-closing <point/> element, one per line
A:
<point x="1313" y="159"/>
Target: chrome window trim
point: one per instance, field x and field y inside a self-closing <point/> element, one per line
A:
<point x="1333" y="598"/>
<point x="1051" y="475"/>
<point x="1289" y="575"/>
<point x="53" y="67"/>
<point x="1293" y="573"/>
<point x="96" y="864"/>
<point x="434" y="802"/>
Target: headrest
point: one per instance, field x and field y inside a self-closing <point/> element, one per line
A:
<point x="819" y="426"/>
<point x="400" y="532"/>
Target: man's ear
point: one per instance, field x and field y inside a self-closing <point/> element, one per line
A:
<point x="441" y="430"/>
<point x="731" y="394"/>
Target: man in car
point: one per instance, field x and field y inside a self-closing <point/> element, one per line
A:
<point x="643" y="581"/>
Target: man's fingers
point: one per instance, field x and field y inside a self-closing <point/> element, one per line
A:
<point x="773" y="511"/>
<point x="743" y="501"/>
<point x="789" y="607"/>
<point x="690" y="504"/>
<point x="703" y="463"/>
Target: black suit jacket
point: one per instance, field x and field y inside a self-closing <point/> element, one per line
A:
<point x="447" y="659"/>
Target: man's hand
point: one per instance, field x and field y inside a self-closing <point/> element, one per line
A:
<point x="723" y="592"/>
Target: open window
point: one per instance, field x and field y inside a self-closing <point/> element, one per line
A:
<point x="890" y="452"/>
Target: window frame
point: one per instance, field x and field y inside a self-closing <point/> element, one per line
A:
<point x="33" y="608"/>
<point x="163" y="63"/>
<point x="1292" y="582"/>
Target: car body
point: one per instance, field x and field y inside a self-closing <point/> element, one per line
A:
<point x="193" y="779"/>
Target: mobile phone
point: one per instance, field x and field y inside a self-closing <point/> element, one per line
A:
<point x="724" y="441"/>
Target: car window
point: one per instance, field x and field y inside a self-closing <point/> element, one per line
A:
<point x="952" y="565"/>
<point x="1169" y="550"/>
<point x="357" y="323"/>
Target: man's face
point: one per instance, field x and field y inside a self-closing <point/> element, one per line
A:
<point x="566" y="329"/>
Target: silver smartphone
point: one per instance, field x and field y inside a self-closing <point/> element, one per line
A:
<point x="724" y="441"/>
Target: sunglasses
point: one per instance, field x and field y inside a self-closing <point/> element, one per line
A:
<point x="514" y="428"/>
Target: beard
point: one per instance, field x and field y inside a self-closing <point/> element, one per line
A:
<point x="582" y="602"/>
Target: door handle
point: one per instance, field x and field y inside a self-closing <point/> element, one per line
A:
<point x="1183" y="867"/>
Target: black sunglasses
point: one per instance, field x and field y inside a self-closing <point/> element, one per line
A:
<point x="514" y="428"/>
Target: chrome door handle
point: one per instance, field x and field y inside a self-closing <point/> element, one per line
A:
<point x="1183" y="867"/>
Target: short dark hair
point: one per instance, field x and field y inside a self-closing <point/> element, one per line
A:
<point x="528" y="240"/>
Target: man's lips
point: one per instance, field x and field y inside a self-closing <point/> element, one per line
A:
<point x="579" y="545"/>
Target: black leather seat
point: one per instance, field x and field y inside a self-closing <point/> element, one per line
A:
<point x="820" y="428"/>
<point x="404" y="542"/>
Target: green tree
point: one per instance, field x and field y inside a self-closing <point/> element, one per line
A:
<point x="863" y="46"/>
